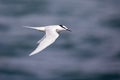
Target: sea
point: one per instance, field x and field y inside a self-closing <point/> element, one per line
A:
<point x="90" y="52"/>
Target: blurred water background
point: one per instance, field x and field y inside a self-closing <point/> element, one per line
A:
<point x="90" y="52"/>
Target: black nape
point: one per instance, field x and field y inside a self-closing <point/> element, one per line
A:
<point x="62" y="26"/>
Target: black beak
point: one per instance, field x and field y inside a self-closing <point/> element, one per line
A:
<point x="68" y="30"/>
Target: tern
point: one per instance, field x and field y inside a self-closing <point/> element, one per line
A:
<point x="51" y="34"/>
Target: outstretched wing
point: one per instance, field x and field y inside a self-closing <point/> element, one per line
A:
<point x="47" y="40"/>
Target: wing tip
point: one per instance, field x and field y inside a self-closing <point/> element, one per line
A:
<point x="31" y="54"/>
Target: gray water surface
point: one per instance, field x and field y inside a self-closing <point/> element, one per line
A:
<point x="90" y="52"/>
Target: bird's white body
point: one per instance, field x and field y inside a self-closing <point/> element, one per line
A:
<point x="51" y="34"/>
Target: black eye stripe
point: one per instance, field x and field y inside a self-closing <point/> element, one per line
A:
<point x="62" y="26"/>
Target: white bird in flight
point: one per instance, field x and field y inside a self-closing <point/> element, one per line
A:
<point x="51" y="34"/>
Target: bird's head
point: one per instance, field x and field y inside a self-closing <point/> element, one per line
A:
<point x="62" y="28"/>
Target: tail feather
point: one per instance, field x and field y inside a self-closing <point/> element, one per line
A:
<point x="37" y="28"/>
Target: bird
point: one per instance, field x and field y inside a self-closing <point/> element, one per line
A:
<point x="51" y="34"/>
